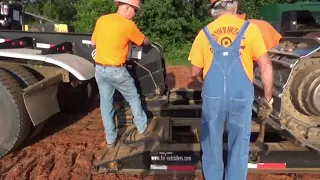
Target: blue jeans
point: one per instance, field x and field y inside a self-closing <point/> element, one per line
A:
<point x="109" y="79"/>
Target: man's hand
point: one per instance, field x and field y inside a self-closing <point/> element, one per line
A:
<point x="146" y="45"/>
<point x="195" y="71"/>
<point x="265" y="108"/>
<point x="146" y="48"/>
<point x="200" y="76"/>
<point x="197" y="78"/>
<point x="146" y="41"/>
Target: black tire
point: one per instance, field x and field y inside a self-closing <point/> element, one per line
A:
<point x="14" y="121"/>
<point x="25" y="79"/>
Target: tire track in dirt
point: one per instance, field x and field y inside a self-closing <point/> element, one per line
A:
<point x="22" y="168"/>
<point x="66" y="154"/>
<point x="14" y="159"/>
<point x="44" y="167"/>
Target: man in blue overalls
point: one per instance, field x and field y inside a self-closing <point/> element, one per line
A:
<point x="224" y="52"/>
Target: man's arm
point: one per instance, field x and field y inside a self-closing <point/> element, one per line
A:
<point x="195" y="71"/>
<point x="196" y="57"/>
<point x="260" y="55"/>
<point x="137" y="37"/>
<point x="94" y="34"/>
<point x="266" y="73"/>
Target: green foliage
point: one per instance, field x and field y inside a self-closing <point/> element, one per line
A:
<point x="177" y="54"/>
<point x="88" y="11"/>
<point x="167" y="22"/>
<point x="58" y="10"/>
<point x="251" y="7"/>
<point x="172" y="23"/>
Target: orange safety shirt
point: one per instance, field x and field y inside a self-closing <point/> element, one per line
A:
<point x="224" y="30"/>
<point x="112" y="34"/>
<point x="270" y="35"/>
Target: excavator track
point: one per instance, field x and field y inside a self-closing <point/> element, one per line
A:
<point x="296" y="92"/>
<point x="300" y="103"/>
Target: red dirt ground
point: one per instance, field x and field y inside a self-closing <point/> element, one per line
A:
<point x="67" y="146"/>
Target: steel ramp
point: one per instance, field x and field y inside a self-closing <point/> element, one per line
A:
<point x="163" y="153"/>
<point x="129" y="145"/>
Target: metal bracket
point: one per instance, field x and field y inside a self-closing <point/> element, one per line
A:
<point x="17" y="43"/>
<point x="58" y="49"/>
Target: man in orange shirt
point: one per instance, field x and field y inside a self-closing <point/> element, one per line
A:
<point x="270" y="35"/>
<point x="224" y="51"/>
<point x="112" y="35"/>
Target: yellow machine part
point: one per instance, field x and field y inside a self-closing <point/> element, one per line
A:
<point x="61" y="28"/>
<point x="47" y="28"/>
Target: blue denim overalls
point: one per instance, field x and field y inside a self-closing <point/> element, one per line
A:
<point x="227" y="94"/>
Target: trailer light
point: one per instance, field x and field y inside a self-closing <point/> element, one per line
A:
<point x="113" y="165"/>
<point x="74" y="83"/>
<point x="4" y="9"/>
<point x="181" y="168"/>
<point x="267" y="166"/>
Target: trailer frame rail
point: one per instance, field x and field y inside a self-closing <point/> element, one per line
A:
<point x="162" y="153"/>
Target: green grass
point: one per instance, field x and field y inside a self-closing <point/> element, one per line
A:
<point x="177" y="54"/>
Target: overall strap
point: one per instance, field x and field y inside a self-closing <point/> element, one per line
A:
<point x="214" y="45"/>
<point x="237" y="41"/>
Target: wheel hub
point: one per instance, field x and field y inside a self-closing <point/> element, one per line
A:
<point x="315" y="96"/>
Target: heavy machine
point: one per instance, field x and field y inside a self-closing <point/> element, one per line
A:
<point x="295" y="18"/>
<point x="296" y="64"/>
<point x="42" y="73"/>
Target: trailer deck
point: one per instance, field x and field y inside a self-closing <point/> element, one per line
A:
<point x="174" y="146"/>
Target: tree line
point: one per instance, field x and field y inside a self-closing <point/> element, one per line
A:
<point x="172" y="23"/>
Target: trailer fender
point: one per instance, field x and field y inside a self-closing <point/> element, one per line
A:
<point x="41" y="100"/>
<point x="81" y="68"/>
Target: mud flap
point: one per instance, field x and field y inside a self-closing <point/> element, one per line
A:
<point x="41" y="100"/>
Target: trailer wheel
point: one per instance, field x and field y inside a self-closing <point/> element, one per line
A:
<point x="25" y="79"/>
<point x="14" y="121"/>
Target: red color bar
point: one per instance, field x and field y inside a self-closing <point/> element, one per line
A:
<point x="181" y="168"/>
<point x="271" y="166"/>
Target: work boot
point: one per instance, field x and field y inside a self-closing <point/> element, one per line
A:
<point x="136" y="137"/>
<point x="112" y="145"/>
<point x="150" y="127"/>
<point x="104" y="144"/>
